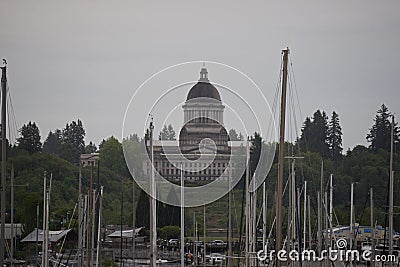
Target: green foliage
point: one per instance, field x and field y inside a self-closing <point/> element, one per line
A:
<point x="74" y="134"/>
<point x="143" y="210"/>
<point x="314" y="134"/>
<point x="53" y="142"/>
<point x="168" y="232"/>
<point x="334" y="137"/>
<point x="107" y="262"/>
<point x="365" y="167"/>
<point x="30" y="138"/>
<point x="112" y="156"/>
<point x="234" y="136"/>
<point x="90" y="148"/>
<point x="69" y="142"/>
<point x="255" y="151"/>
<point x="167" y="133"/>
<point x="380" y="133"/>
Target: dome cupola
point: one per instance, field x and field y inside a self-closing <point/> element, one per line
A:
<point x="203" y="88"/>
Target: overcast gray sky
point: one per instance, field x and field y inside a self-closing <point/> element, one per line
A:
<point x="84" y="59"/>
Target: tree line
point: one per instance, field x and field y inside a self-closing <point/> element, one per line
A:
<point x="321" y="137"/>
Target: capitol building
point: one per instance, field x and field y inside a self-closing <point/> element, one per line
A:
<point x="202" y="149"/>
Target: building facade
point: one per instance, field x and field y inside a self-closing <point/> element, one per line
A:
<point x="202" y="149"/>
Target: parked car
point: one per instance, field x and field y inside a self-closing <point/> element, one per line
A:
<point x="173" y="242"/>
<point x="218" y="243"/>
<point x="215" y="258"/>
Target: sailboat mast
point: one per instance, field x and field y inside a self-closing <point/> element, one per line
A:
<point x="153" y="212"/>
<point x="12" y="218"/>
<point x="3" y="158"/>
<point x="264" y="215"/>
<point x="331" y="210"/>
<point x="371" y="195"/>
<point x="279" y="186"/>
<point x="320" y="208"/>
<point x="309" y="221"/>
<point x="305" y="215"/>
<point x="229" y="261"/>
<point x="44" y="246"/>
<point x="351" y="218"/>
<point x="204" y="236"/>
<point x="391" y="191"/>
<point x="247" y="209"/>
<point x="293" y="192"/>
<point x="182" y="220"/>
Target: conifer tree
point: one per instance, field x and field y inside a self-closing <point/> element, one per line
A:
<point x="167" y="133"/>
<point x="30" y="138"/>
<point x="314" y="134"/>
<point x="380" y="133"/>
<point x="334" y="137"/>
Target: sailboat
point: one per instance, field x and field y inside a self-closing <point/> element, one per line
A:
<point x="3" y="161"/>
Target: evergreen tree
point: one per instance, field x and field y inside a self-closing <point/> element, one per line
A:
<point x="72" y="141"/>
<point x="315" y="134"/>
<point x="305" y="133"/>
<point x="53" y="142"/>
<point x="334" y="138"/>
<point x="380" y="133"/>
<point x="171" y="133"/>
<point x="112" y="156"/>
<point x="30" y="138"/>
<point x="233" y="136"/>
<point x="167" y="133"/>
<point x="74" y="134"/>
<point x="90" y="148"/>
<point x="143" y="210"/>
<point x="255" y="151"/>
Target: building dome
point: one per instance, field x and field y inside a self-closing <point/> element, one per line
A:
<point x="203" y="88"/>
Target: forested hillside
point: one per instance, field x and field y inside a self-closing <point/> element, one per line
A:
<point x="320" y="139"/>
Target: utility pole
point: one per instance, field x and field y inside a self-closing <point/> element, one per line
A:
<point x="99" y="227"/>
<point x="3" y="158"/>
<point x="46" y="212"/>
<point x="80" y="211"/>
<point x="89" y="231"/>
<point x="279" y="186"/>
